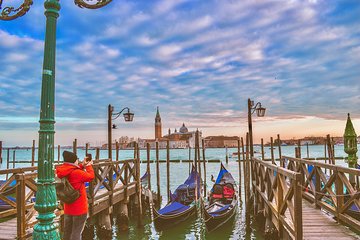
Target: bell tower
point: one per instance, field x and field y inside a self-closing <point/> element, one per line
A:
<point x="157" y="125"/>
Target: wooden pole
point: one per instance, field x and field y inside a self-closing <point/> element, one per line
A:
<point x="262" y="149"/>
<point x="1" y="160"/>
<point x="279" y="145"/>
<point x="117" y="150"/>
<point x="138" y="175"/>
<point x="75" y="146"/>
<point x="247" y="182"/>
<point x="272" y="150"/>
<point x="204" y="162"/>
<point x="157" y="172"/>
<point x="97" y="154"/>
<point x="227" y="156"/>
<point x="168" y="169"/>
<point x="325" y="156"/>
<point x="195" y="156"/>
<point x="198" y="152"/>
<point x="86" y="148"/>
<point x="33" y="154"/>
<point x="239" y="159"/>
<point x="7" y="162"/>
<point x="148" y="164"/>
<point x="58" y="153"/>
<point x="189" y="159"/>
<point x="14" y="158"/>
<point x="333" y="147"/>
<point x="307" y="150"/>
<point x="299" y="145"/>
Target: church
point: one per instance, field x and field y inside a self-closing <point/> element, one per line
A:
<point x="177" y="139"/>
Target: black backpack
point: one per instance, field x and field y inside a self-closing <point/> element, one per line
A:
<point x="65" y="191"/>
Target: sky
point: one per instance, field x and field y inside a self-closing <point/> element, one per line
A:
<point x="198" y="60"/>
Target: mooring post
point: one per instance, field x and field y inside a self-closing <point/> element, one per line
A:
<point x="117" y="150"/>
<point x="325" y="155"/>
<point x="86" y="148"/>
<point x="189" y="159"/>
<point x="279" y="146"/>
<point x="75" y="146"/>
<point x="0" y="153"/>
<point x="243" y="157"/>
<point x="148" y="165"/>
<point x="14" y="158"/>
<point x="168" y="169"/>
<point x="157" y="172"/>
<point x="195" y="156"/>
<point x="138" y="175"/>
<point x="7" y="162"/>
<point x="97" y="153"/>
<point x="262" y="149"/>
<point x="238" y="154"/>
<point x="299" y="145"/>
<point x="272" y="150"/>
<point x="33" y="153"/>
<point x="204" y="162"/>
<point x="227" y="155"/>
<point x="198" y="153"/>
<point x="58" y="153"/>
<point x="307" y="150"/>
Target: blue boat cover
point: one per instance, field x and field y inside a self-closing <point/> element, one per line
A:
<point x="220" y="210"/>
<point x="173" y="208"/>
<point x="224" y="177"/>
<point x="190" y="183"/>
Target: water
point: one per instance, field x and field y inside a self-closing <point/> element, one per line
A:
<point x="194" y="228"/>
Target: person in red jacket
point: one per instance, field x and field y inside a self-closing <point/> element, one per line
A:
<point x="75" y="214"/>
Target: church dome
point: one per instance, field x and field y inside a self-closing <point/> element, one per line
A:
<point x="183" y="129"/>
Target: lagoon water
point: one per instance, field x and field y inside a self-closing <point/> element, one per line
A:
<point x="194" y="228"/>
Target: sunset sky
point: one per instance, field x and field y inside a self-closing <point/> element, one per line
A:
<point x="198" y="60"/>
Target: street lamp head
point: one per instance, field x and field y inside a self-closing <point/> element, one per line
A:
<point x="128" y="116"/>
<point x="260" y="111"/>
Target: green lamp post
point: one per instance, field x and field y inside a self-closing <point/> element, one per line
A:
<point x="46" y="201"/>
<point x="350" y="146"/>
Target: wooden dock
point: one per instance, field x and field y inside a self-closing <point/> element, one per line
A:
<point x="104" y="192"/>
<point x="318" y="225"/>
<point x="300" y="201"/>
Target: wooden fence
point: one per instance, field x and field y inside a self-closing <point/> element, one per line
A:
<point x="329" y="187"/>
<point x="277" y="193"/>
<point x="114" y="182"/>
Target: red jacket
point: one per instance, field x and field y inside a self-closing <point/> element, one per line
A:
<point x="77" y="177"/>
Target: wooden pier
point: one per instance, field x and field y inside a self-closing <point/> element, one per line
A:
<point x="104" y="192"/>
<point x="299" y="201"/>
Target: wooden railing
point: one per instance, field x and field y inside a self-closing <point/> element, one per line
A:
<point x="19" y="191"/>
<point x="329" y="187"/>
<point x="277" y="192"/>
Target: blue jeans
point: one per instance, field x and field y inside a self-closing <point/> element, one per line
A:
<point x="73" y="226"/>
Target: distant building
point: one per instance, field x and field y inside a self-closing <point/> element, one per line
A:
<point x="178" y="139"/>
<point x="221" y="141"/>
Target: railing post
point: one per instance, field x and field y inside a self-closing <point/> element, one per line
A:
<point x="20" y="206"/>
<point x="317" y="187"/>
<point x="339" y="189"/>
<point x="280" y="196"/>
<point x="298" y="208"/>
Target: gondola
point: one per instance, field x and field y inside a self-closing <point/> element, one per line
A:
<point x="222" y="201"/>
<point x="182" y="204"/>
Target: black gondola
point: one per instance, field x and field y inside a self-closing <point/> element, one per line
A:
<point x="222" y="203"/>
<point x="182" y="204"/>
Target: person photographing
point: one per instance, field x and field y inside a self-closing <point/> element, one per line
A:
<point x="75" y="213"/>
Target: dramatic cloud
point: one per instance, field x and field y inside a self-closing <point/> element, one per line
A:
<point x="198" y="60"/>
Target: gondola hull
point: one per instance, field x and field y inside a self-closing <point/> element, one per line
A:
<point x="165" y="221"/>
<point x="214" y="222"/>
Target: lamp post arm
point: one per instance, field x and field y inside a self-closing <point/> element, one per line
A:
<point x="11" y="13"/>
<point x="96" y="5"/>
<point x="119" y="113"/>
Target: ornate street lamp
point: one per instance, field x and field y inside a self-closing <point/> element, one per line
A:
<point x="260" y="111"/>
<point x="128" y="117"/>
<point x="46" y="201"/>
